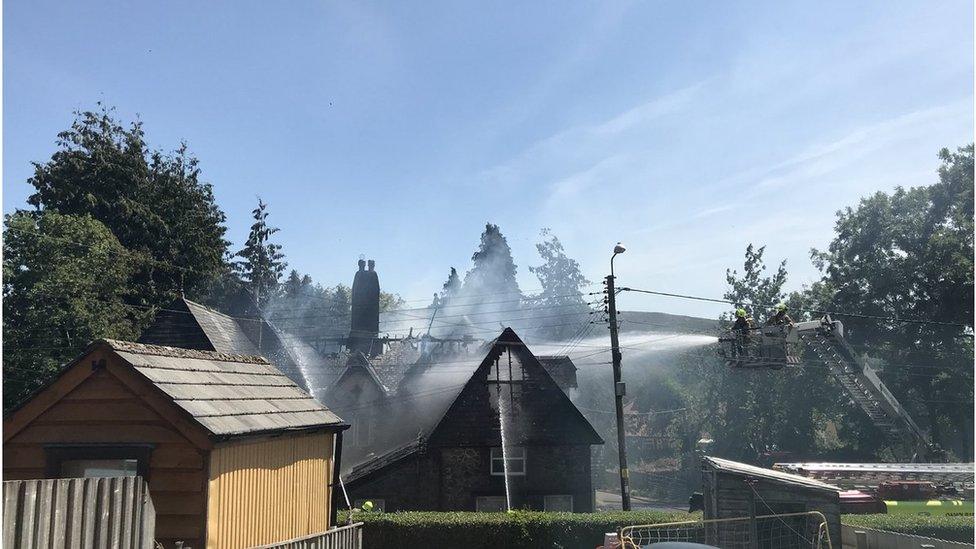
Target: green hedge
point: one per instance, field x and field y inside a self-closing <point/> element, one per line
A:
<point x="939" y="527"/>
<point x="515" y="529"/>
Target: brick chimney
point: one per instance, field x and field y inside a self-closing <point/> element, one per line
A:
<point x="364" y="323"/>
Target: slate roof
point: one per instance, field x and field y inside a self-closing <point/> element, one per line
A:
<point x="227" y="394"/>
<point x="189" y="325"/>
<point x="396" y="359"/>
<point x="382" y="461"/>
<point x="224" y="332"/>
<point x="562" y="370"/>
<point x="746" y="470"/>
<point x="358" y="361"/>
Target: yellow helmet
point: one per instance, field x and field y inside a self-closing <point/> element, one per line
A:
<point x="367" y="506"/>
<point x="740" y="312"/>
<point x="780" y="307"/>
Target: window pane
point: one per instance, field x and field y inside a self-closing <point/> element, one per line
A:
<point x="490" y="503"/>
<point x="516" y="466"/>
<point x="89" y="468"/>
<point x="559" y="503"/>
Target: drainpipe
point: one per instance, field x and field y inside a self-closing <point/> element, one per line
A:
<point x="336" y="461"/>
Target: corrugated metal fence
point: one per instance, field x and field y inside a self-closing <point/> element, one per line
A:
<point x="346" y="537"/>
<point x="78" y="513"/>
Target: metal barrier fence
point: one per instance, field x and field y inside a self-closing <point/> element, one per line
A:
<point x="78" y="513"/>
<point x="782" y="531"/>
<point x="856" y="537"/>
<point x="345" y="537"/>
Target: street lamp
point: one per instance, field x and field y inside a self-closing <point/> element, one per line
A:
<point x="617" y="250"/>
<point x="619" y="388"/>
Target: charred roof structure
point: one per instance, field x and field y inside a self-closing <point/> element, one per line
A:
<point x="443" y="429"/>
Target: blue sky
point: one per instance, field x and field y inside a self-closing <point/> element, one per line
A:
<point x="684" y="129"/>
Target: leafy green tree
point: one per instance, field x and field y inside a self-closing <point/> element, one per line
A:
<point x="909" y="255"/>
<point x="154" y="203"/>
<point x="390" y="302"/>
<point x="262" y="262"/>
<point x="562" y="287"/>
<point x="751" y="412"/>
<point x="492" y="277"/>
<point x="65" y="278"/>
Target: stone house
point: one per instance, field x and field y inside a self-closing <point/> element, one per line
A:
<point x="443" y="438"/>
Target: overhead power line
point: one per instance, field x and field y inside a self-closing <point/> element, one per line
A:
<point x="835" y="313"/>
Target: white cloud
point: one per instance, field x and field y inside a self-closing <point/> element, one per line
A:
<point x="823" y="159"/>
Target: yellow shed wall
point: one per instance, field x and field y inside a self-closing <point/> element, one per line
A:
<point x="268" y="490"/>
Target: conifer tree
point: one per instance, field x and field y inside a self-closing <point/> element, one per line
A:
<point x="262" y="261"/>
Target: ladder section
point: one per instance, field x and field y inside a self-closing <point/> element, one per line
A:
<point x="825" y="338"/>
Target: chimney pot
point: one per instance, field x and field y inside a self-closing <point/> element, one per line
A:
<point x="371" y="264"/>
<point x="362" y="265"/>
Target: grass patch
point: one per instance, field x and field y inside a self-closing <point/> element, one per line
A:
<point x="515" y="529"/>
<point x="939" y="527"/>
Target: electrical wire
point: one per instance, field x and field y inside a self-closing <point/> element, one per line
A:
<point x="816" y="311"/>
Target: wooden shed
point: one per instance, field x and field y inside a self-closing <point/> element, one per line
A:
<point x="735" y="490"/>
<point x="235" y="453"/>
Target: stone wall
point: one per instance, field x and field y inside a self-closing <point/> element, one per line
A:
<point x="451" y="479"/>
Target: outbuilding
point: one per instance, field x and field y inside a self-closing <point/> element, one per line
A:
<point x="235" y="454"/>
<point x="733" y="490"/>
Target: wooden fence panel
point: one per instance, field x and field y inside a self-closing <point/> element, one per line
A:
<point x="78" y="513"/>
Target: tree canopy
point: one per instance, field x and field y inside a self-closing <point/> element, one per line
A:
<point x="153" y="202"/>
<point x="902" y="263"/>
<point x="493" y="271"/>
<point x="562" y="288"/>
<point x="65" y="280"/>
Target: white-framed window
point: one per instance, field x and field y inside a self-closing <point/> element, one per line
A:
<point x="558" y="503"/>
<point x="78" y="468"/>
<point x="515" y="459"/>
<point x="378" y="504"/>
<point x="490" y="504"/>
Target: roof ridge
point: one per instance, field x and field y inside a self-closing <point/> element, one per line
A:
<point x="162" y="350"/>
<point x="207" y="309"/>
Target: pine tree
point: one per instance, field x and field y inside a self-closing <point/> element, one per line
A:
<point x="492" y="278"/>
<point x="450" y="290"/>
<point x="262" y="261"/>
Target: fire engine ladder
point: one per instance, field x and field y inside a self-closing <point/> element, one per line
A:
<point x="825" y="338"/>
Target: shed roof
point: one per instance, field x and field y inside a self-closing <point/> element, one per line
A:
<point x="227" y="394"/>
<point x="746" y="470"/>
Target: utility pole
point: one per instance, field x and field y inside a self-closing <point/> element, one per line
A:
<point x="619" y="388"/>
